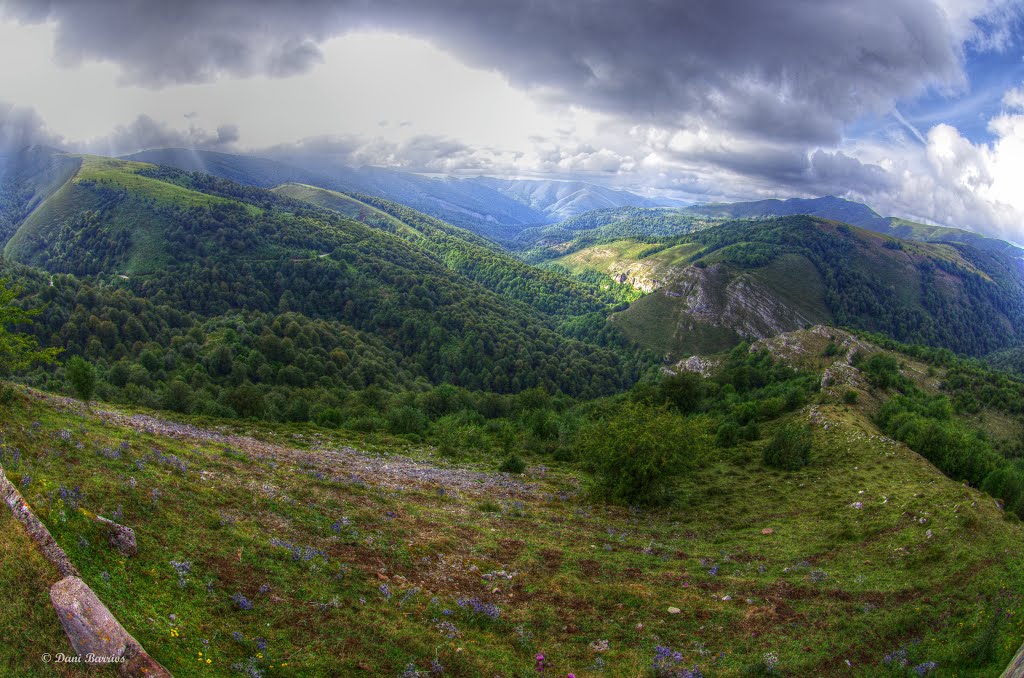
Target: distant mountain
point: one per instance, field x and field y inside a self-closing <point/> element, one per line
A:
<point x="467" y="204"/>
<point x="561" y="200"/>
<point x="495" y="208"/>
<point x="847" y="211"/>
<point x="243" y="169"/>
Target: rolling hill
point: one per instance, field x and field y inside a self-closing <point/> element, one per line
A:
<point x="754" y="279"/>
<point x="452" y="309"/>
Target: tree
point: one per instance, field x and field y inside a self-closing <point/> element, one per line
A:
<point x="18" y="350"/>
<point x="638" y="453"/>
<point x="82" y="376"/>
<point x="790" y="447"/>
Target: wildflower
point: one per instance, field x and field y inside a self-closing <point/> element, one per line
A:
<point x="183" y="568"/>
<point x="409" y="594"/>
<point x="237" y="636"/>
<point x="385" y="591"/>
<point x="447" y="629"/>
<point x="713" y="571"/>
<point x="477" y="606"/>
<point x="26" y="480"/>
<point x="925" y="668"/>
<point x="241" y="602"/>
<point x="540" y="662"/>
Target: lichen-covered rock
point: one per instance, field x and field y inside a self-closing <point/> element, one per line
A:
<point x="122" y="538"/>
<point x="87" y="621"/>
<point x="94" y="631"/>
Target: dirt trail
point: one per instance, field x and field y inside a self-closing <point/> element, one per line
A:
<point x="343" y="464"/>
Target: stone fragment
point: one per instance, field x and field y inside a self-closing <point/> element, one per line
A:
<point x="122" y="538"/>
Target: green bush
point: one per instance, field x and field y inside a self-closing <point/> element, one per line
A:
<point x="728" y="434"/>
<point x="851" y="397"/>
<point x="637" y="454"/>
<point x="513" y="464"/>
<point x="82" y="376"/>
<point x="790" y="447"/>
<point x="406" y="419"/>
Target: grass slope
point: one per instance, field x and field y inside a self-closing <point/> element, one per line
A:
<point x="29" y="626"/>
<point x="346" y="205"/>
<point x="357" y="561"/>
<point x="101" y="182"/>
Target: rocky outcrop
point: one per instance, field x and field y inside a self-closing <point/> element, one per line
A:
<point x="96" y="635"/>
<point x="718" y="297"/>
<point x="638" y="276"/>
<point x="696" y="364"/>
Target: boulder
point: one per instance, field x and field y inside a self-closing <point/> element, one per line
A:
<point x="93" y="630"/>
<point x="122" y="538"/>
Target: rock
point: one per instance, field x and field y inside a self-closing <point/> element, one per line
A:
<point x="122" y="538"/>
<point x="857" y="505"/>
<point x="726" y="597"/>
<point x="674" y="610"/>
<point x="767" y="530"/>
<point x="92" y="629"/>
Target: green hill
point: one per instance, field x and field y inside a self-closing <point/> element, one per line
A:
<point x="451" y="309"/>
<point x="758" y="278"/>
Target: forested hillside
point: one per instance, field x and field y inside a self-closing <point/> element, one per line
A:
<point x="220" y="298"/>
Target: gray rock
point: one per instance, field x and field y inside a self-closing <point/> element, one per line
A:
<point x="93" y="630"/>
<point x="122" y="538"/>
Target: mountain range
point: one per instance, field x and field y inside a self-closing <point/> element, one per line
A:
<point x="496" y="208"/>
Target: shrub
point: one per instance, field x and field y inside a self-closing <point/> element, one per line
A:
<point x="882" y="371"/>
<point x="639" y="451"/>
<point x="82" y="376"/>
<point x="790" y="447"/>
<point x="406" y="419"/>
<point x="851" y="397"/>
<point x="513" y="464"/>
<point x="728" y="434"/>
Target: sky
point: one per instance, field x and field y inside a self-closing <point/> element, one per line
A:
<point x="915" y="107"/>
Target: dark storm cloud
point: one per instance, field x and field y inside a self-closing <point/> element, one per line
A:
<point x="835" y="172"/>
<point x="421" y="153"/>
<point x="793" y="71"/>
<point x="145" y="132"/>
<point x="21" y="127"/>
